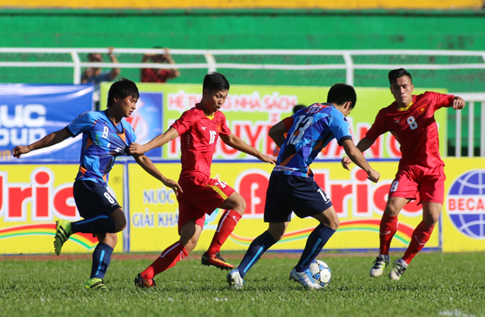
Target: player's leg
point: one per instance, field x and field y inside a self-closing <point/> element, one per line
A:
<point x="189" y="236"/>
<point x="403" y="189"/>
<point x="432" y="191"/>
<point x="278" y="214"/>
<point x="329" y="223"/>
<point x="308" y="199"/>
<point x="387" y="230"/>
<point x="256" y="249"/>
<point x="234" y="206"/>
<point x="101" y="260"/>
<point x="421" y="235"/>
<point x="100" y="210"/>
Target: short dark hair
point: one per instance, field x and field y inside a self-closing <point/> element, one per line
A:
<point x="298" y="108"/>
<point x="397" y="73"/>
<point x="341" y="93"/>
<point x="215" y="81"/>
<point x="122" y="89"/>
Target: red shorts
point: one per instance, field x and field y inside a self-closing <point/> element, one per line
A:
<point x="429" y="182"/>
<point x="202" y="195"/>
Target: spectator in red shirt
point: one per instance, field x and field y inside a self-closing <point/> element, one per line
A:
<point x="158" y="75"/>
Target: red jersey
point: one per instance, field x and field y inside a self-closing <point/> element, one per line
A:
<point x="415" y="128"/>
<point x="150" y="75"/>
<point x="198" y="138"/>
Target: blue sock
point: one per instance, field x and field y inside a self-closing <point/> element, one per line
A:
<point x="255" y="251"/>
<point x="98" y="224"/>
<point x="101" y="260"/>
<point x="317" y="239"/>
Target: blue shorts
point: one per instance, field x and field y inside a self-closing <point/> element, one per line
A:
<point x="288" y="193"/>
<point x="93" y="200"/>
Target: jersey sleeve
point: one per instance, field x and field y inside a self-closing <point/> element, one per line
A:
<point x="82" y="123"/>
<point x="440" y="100"/>
<point x="378" y="127"/>
<point x="184" y="123"/>
<point x="340" y="128"/>
<point x="224" y="128"/>
<point x="131" y="135"/>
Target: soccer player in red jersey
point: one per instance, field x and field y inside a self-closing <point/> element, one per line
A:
<point x="199" y="129"/>
<point x="411" y="120"/>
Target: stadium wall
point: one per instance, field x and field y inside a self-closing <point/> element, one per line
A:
<point x="218" y="29"/>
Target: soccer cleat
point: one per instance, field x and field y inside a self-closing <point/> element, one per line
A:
<point x="398" y="269"/>
<point x="235" y="280"/>
<point x="379" y="264"/>
<point x="216" y="260"/>
<point x="304" y="278"/>
<point x="142" y="283"/>
<point x="63" y="232"/>
<point x="95" y="283"/>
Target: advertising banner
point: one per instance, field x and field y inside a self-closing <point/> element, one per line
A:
<point x="33" y="197"/>
<point x="464" y="216"/>
<point x="30" y="112"/>
<point x="252" y="110"/>
<point x="358" y="202"/>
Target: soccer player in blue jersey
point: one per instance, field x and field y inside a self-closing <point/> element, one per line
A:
<point x="106" y="135"/>
<point x="291" y="185"/>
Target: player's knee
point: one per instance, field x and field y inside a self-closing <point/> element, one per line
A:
<point x="431" y="219"/>
<point x="240" y="206"/>
<point x="120" y="224"/>
<point x="334" y="223"/>
<point x="190" y="245"/>
<point x="392" y="210"/>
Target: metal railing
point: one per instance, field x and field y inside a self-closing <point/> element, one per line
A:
<point x="472" y="100"/>
<point x="349" y="63"/>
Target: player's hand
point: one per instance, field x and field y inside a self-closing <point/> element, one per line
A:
<point x="110" y="50"/>
<point x="346" y="162"/>
<point x="458" y="103"/>
<point x="267" y="158"/>
<point x="373" y="175"/>
<point x="173" y="185"/>
<point x="137" y="149"/>
<point x="19" y="150"/>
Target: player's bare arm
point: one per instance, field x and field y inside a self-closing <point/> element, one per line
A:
<point x="356" y="156"/>
<point x="150" y="168"/>
<point x="277" y="133"/>
<point x="458" y="103"/>
<point x="158" y="141"/>
<point x="48" y="140"/>
<point x="235" y="142"/>
<point x="363" y="145"/>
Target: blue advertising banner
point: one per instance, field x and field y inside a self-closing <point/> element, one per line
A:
<point x="30" y="112"/>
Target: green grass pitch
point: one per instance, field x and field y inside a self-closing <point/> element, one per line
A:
<point x="434" y="285"/>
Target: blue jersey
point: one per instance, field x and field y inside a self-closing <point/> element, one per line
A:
<point x="311" y="130"/>
<point x="102" y="143"/>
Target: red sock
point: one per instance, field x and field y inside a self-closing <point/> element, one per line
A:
<point x="420" y="236"/>
<point x="167" y="259"/>
<point x="387" y="230"/>
<point x="226" y="226"/>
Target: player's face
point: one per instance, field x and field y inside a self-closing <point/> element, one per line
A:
<point x="127" y="105"/>
<point x="215" y="100"/>
<point x="402" y="90"/>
